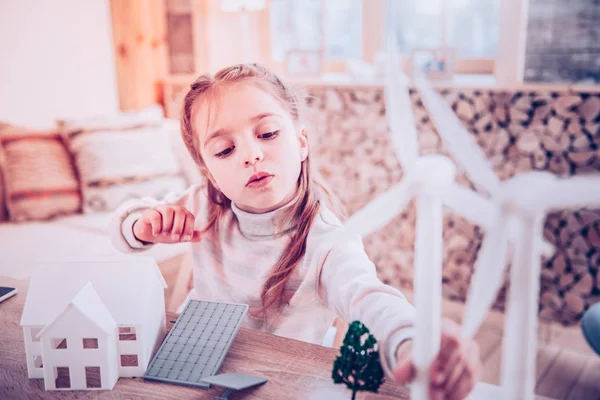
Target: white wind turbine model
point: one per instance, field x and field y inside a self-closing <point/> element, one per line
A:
<point x="429" y="179"/>
<point x="522" y="201"/>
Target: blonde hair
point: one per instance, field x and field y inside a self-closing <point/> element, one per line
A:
<point x="311" y="187"/>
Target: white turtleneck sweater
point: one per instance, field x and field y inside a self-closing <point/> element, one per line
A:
<point x="335" y="277"/>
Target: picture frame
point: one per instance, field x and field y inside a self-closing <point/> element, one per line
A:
<point x="303" y="63"/>
<point x="433" y="63"/>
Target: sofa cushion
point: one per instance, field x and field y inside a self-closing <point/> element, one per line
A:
<point x="117" y="164"/>
<point x="39" y="179"/>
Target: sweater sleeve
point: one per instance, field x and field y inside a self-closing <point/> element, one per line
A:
<point x="121" y="225"/>
<point x="349" y="286"/>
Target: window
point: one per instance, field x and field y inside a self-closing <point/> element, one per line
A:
<point x="90" y="343"/>
<point x="343" y="29"/>
<point x="60" y="343"/>
<point x="472" y="28"/>
<point x="469" y="26"/>
<point x="129" y="360"/>
<point x="37" y="362"/>
<point x="127" y="333"/>
<point x="92" y="377"/>
<point x="334" y="26"/>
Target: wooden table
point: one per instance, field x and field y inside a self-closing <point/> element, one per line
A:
<point x="294" y="369"/>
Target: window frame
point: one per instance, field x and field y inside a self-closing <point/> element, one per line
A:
<point x="373" y="39"/>
<point x="463" y="65"/>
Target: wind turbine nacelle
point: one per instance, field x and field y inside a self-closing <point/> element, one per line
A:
<point x="434" y="171"/>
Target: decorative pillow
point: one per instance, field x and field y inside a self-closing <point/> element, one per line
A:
<point x="115" y="165"/>
<point x="38" y="175"/>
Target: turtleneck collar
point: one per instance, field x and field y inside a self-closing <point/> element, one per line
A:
<point x="263" y="226"/>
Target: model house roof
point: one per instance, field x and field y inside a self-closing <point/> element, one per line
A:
<point x="124" y="286"/>
<point x="88" y="303"/>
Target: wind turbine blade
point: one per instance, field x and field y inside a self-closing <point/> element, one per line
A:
<point x="399" y="110"/>
<point x="457" y="139"/>
<point x="470" y="205"/>
<point x="574" y="192"/>
<point x="478" y="210"/>
<point x="488" y="276"/>
<point x="382" y="210"/>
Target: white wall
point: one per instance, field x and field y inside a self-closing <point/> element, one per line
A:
<point x="56" y="60"/>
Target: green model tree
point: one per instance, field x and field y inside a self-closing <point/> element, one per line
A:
<point x="358" y="363"/>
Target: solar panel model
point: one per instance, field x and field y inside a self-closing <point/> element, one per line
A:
<point x="197" y="344"/>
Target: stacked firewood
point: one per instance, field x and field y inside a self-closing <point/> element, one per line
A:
<point x="518" y="132"/>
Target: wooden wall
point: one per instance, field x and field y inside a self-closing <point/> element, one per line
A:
<point x="139" y="36"/>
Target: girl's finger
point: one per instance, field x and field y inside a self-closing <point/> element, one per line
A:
<point x="440" y="373"/>
<point x="188" y="229"/>
<point x="463" y="386"/>
<point x="196" y="236"/>
<point x="167" y="225"/>
<point x="465" y="383"/>
<point x="449" y="342"/>
<point x="449" y="346"/>
<point x="155" y="219"/>
<point x="178" y="224"/>
<point x="455" y="374"/>
<point x="436" y="394"/>
<point x="474" y="365"/>
<point x="404" y="372"/>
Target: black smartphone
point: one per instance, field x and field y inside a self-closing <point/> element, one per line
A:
<point x="7" y="292"/>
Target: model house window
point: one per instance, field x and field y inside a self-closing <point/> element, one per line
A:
<point x="62" y="377"/>
<point x="334" y="26"/>
<point x="92" y="377"/>
<point x="34" y="333"/>
<point x="127" y="333"/>
<point x="470" y="27"/>
<point x="90" y="343"/>
<point x="37" y="362"/>
<point x="129" y="360"/>
<point x="59" y="343"/>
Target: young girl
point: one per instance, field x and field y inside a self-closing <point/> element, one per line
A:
<point x="263" y="231"/>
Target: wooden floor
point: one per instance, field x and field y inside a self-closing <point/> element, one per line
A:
<point x="566" y="366"/>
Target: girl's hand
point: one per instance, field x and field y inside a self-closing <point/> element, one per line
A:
<point x="166" y="224"/>
<point x="455" y="370"/>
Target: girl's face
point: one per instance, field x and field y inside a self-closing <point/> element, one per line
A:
<point x="251" y="147"/>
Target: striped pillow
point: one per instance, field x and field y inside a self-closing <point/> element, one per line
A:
<point x="39" y="179"/>
<point x="117" y="164"/>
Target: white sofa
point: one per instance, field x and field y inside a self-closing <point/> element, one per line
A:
<point x="80" y="237"/>
<point x="72" y="238"/>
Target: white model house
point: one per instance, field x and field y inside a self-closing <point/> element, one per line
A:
<point x="86" y="324"/>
